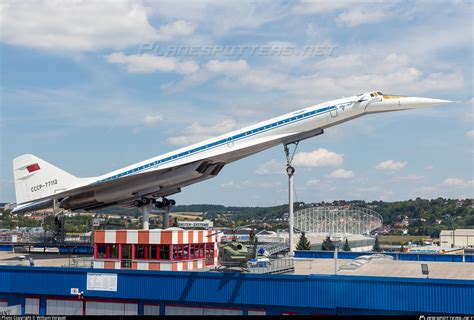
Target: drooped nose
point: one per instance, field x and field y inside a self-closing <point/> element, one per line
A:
<point x="416" y="102"/>
<point x="394" y="103"/>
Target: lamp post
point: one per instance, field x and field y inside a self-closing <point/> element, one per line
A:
<point x="290" y="171"/>
<point x="336" y="241"/>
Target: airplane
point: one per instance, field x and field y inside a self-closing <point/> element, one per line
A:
<point x="39" y="184"/>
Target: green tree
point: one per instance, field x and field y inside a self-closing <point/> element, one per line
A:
<point x="346" y="246"/>
<point x="376" y="247"/>
<point x="304" y="243"/>
<point x="327" y="245"/>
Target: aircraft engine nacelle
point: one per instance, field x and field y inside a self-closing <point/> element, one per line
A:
<point x="136" y="186"/>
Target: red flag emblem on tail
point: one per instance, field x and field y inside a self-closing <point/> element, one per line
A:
<point x="33" y="167"/>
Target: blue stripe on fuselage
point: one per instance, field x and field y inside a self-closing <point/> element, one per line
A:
<point x="215" y="144"/>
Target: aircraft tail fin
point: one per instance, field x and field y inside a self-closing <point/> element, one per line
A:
<point x="36" y="179"/>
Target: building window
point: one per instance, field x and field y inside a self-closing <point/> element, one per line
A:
<point x="176" y="252"/>
<point x="111" y="308"/>
<point x="102" y="251"/>
<point x="107" y="251"/>
<point x="153" y="252"/>
<point x="201" y="250"/>
<point x="141" y="252"/>
<point x="185" y="252"/>
<point x="164" y="252"/>
<point x="209" y="249"/>
<point x="151" y="310"/>
<point x="63" y="307"/>
<point x="32" y="306"/>
<point x="113" y="251"/>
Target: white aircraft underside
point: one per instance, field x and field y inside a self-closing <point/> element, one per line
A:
<point x="39" y="183"/>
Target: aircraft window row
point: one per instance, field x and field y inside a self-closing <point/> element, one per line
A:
<point x="220" y="142"/>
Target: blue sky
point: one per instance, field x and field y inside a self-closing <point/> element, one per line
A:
<point x="94" y="86"/>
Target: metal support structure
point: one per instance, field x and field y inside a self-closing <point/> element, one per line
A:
<point x="290" y="171"/>
<point x="145" y="210"/>
<point x="336" y="241"/>
<point x="151" y="208"/>
<point x="291" y="218"/>
<point x="166" y="218"/>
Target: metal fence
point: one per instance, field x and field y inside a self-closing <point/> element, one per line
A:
<point x="282" y="265"/>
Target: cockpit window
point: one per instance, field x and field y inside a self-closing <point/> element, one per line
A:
<point x="380" y="93"/>
<point x="392" y="96"/>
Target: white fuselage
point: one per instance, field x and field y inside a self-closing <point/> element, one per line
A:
<point x="240" y="143"/>
<point x="167" y="174"/>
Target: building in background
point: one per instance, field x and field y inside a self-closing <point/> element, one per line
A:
<point x="459" y="238"/>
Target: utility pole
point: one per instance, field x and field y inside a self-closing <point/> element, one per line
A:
<point x="290" y="171"/>
<point x="336" y="241"/>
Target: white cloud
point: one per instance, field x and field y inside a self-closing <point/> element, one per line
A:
<point x="227" y="66"/>
<point x="151" y="120"/>
<point x="333" y="76"/>
<point x="196" y="132"/>
<point x="83" y="25"/>
<point x="410" y="177"/>
<point x="271" y="167"/>
<point x="221" y="17"/>
<point x="341" y="174"/>
<point x="341" y="62"/>
<point x="318" y="158"/>
<point x="174" y="29"/>
<point x="450" y="187"/>
<point x="321" y="6"/>
<point x="358" y="17"/>
<point x="456" y="182"/>
<point x="470" y="133"/>
<point x="391" y="165"/>
<point x="269" y="184"/>
<point x="313" y="183"/>
<point x="81" y="107"/>
<point x="237" y="185"/>
<point x="148" y="63"/>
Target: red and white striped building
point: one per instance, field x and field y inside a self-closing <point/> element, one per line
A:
<point x="172" y="249"/>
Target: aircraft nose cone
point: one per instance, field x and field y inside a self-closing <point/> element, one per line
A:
<point x="416" y="102"/>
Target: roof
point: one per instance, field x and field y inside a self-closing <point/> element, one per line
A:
<point x="458" y="232"/>
<point x="389" y="268"/>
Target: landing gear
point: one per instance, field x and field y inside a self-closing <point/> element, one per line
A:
<point x="145" y="201"/>
<point x="164" y="203"/>
<point x="137" y="203"/>
<point x="148" y="205"/>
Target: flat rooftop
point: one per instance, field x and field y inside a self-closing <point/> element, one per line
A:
<point x="40" y="259"/>
<point x="389" y="268"/>
<point x="303" y="266"/>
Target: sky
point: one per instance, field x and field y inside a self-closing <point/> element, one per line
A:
<point x="93" y="86"/>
